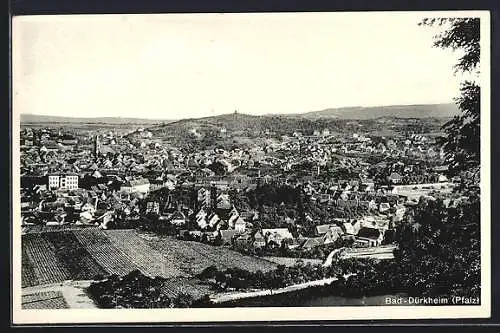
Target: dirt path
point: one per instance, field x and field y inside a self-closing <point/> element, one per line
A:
<point x="379" y="252"/>
<point x="225" y="297"/>
<point x="231" y="296"/>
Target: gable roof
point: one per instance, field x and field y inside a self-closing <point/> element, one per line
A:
<point x="201" y="213"/>
<point x="228" y="234"/>
<point x="282" y="232"/>
<point x="348" y="228"/>
<point x="395" y="175"/>
<point x="178" y="215"/>
<point x="323" y="229"/>
<point x="313" y="242"/>
<point x="372" y="233"/>
<point x="214" y="218"/>
<point x="138" y="181"/>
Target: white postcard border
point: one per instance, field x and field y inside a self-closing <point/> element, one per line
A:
<point x="81" y="316"/>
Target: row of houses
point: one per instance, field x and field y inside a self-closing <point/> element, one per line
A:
<point x="362" y="235"/>
<point x="365" y="232"/>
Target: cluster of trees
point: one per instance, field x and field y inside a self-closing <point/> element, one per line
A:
<point x="137" y="291"/>
<point x="151" y="222"/>
<point x="439" y="248"/>
<point x="277" y="202"/>
<point x="240" y="279"/>
<point x="318" y="252"/>
<point x="438" y="254"/>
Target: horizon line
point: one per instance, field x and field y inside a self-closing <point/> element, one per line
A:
<point x="237" y="111"/>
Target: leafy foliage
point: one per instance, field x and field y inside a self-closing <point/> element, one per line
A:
<point x="438" y="255"/>
<point x="137" y="291"/>
<point x="461" y="34"/>
<point x="462" y="142"/>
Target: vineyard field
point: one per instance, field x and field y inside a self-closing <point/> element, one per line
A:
<point x="89" y="253"/>
<point x="194" y="257"/>
<point x="148" y="260"/>
<point x="53" y="257"/>
<point x="109" y="257"/>
<point x="28" y="275"/>
<point x="41" y="257"/>
<point x="78" y="261"/>
<point x="44" y="300"/>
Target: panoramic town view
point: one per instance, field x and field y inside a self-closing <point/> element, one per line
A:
<point x="346" y="206"/>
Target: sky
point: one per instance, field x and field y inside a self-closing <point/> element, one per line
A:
<point x="193" y="65"/>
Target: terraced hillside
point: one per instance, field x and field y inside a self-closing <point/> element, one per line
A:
<point x="52" y="257"/>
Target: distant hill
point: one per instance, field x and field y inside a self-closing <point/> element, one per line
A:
<point x="234" y="122"/>
<point x="239" y="121"/>
<point x="229" y="129"/>
<point x="33" y="118"/>
<point x="396" y="111"/>
<point x="335" y="119"/>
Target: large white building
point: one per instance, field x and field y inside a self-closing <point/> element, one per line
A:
<point x="65" y="182"/>
<point x="139" y="185"/>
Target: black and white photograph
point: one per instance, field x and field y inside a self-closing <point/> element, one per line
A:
<point x="251" y="166"/>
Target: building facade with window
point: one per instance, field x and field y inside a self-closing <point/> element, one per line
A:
<point x="66" y="182"/>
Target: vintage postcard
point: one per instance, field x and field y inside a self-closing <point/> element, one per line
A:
<point x="250" y="167"/>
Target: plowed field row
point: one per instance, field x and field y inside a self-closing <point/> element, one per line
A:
<point x="78" y="261"/>
<point x="53" y="257"/>
<point x="193" y="257"/>
<point x="44" y="300"/>
<point x="40" y="255"/>
<point x="147" y="259"/>
<point x="108" y="256"/>
<point x="28" y="276"/>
